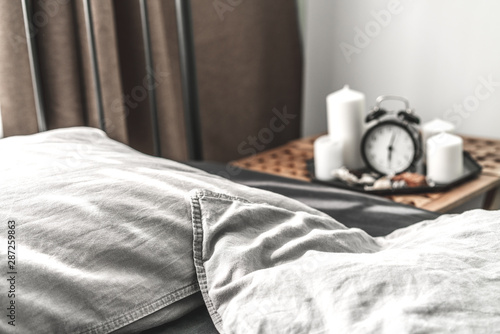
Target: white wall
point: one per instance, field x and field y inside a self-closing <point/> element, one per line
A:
<point x="438" y="54"/>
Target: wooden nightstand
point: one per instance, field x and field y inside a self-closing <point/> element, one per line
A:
<point x="290" y="161"/>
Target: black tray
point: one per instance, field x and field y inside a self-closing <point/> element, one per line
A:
<point x="471" y="170"/>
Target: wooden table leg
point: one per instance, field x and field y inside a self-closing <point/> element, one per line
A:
<point x="489" y="199"/>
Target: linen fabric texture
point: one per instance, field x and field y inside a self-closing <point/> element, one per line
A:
<point x="266" y="269"/>
<point x="104" y="233"/>
<point x="112" y="240"/>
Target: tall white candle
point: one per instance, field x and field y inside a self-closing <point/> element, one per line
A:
<point x="434" y="127"/>
<point x="444" y="158"/>
<point x="346" y="112"/>
<point x="327" y="157"/>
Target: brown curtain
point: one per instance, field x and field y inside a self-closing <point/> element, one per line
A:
<point x="248" y="62"/>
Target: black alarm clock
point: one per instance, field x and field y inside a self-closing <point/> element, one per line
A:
<point x="392" y="144"/>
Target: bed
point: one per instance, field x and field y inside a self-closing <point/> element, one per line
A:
<point x="108" y="239"/>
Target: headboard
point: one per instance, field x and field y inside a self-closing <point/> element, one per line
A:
<point x="187" y="68"/>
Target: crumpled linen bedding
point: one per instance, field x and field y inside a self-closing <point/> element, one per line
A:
<point x="112" y="240"/>
<point x="264" y="269"/>
<point x="103" y="233"/>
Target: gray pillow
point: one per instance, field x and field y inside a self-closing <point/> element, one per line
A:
<point x="103" y="233"/>
<point x="265" y="269"/>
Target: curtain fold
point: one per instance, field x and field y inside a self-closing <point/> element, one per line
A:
<point x="109" y="67"/>
<point x="16" y="92"/>
<point x="248" y="60"/>
<point x="249" y="66"/>
<point x="61" y="92"/>
<point x="166" y="75"/>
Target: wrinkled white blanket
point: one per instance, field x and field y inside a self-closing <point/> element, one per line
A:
<point x="264" y="269"/>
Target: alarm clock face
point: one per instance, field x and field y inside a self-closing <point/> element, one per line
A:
<point x="389" y="148"/>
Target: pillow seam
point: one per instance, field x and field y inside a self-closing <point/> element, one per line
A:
<point x="139" y="313"/>
<point x="197" y="217"/>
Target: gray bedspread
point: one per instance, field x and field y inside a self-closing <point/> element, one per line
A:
<point x="264" y="269"/>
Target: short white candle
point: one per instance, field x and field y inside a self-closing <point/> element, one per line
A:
<point x="346" y="113"/>
<point x="444" y="158"/>
<point x="327" y="157"/>
<point x="434" y="127"/>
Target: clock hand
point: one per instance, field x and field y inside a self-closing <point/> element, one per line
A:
<point x="392" y="139"/>
<point x="391" y="142"/>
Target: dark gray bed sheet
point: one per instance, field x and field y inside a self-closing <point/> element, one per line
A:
<point x="376" y="215"/>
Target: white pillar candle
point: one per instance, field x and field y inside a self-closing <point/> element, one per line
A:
<point x="346" y="113"/>
<point x="434" y="127"/>
<point x="444" y="158"/>
<point x="327" y="157"/>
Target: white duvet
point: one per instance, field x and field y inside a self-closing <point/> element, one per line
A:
<point x="264" y="269"/>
